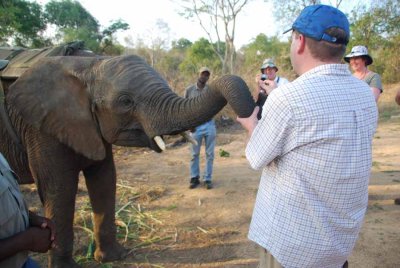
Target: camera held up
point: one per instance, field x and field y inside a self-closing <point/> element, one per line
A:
<point x="263" y="77"/>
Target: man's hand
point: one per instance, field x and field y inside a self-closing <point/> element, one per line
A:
<point x="268" y="85"/>
<point x="43" y="223"/>
<point x="35" y="239"/>
<point x="249" y="123"/>
<point x="38" y="239"/>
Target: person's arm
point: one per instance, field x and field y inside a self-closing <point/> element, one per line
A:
<point x="34" y="239"/>
<point x="268" y="86"/>
<point x="376" y="86"/>
<point x="39" y="237"/>
<point x="376" y="92"/>
<point x="250" y="122"/>
<point x="397" y="98"/>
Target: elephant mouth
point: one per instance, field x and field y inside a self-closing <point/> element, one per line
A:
<point x="138" y="138"/>
<point x="161" y="144"/>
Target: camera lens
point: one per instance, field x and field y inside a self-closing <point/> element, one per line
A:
<point x="263" y="77"/>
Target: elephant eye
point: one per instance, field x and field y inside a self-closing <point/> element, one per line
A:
<point x="125" y="101"/>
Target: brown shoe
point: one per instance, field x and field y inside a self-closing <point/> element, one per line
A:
<point x="397" y="201"/>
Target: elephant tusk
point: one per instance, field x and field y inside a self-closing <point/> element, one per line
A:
<point x="160" y="142"/>
<point x="189" y="138"/>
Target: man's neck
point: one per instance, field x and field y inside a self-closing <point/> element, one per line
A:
<point x="309" y="62"/>
<point x="200" y="85"/>
<point x="313" y="64"/>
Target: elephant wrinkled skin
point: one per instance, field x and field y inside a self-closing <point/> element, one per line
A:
<point x="69" y="111"/>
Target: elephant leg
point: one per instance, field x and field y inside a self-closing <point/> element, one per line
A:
<point x="57" y="177"/>
<point x="101" y="184"/>
<point x="59" y="203"/>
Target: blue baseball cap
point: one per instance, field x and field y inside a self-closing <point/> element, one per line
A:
<point x="314" y="20"/>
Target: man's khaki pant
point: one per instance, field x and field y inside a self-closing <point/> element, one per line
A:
<point x="267" y="260"/>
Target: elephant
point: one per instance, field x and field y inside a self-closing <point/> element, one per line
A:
<point x="68" y="113"/>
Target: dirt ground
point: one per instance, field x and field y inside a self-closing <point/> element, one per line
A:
<point x="208" y="228"/>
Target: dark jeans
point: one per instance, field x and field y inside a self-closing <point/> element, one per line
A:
<point x="30" y="264"/>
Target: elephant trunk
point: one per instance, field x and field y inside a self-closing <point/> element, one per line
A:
<point x="176" y="114"/>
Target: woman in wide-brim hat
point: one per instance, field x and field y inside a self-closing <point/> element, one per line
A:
<point x="359" y="60"/>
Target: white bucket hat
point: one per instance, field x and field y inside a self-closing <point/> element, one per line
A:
<point x="359" y="51"/>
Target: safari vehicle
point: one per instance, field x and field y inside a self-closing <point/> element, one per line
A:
<point x="14" y="61"/>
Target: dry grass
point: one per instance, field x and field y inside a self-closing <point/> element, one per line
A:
<point x="137" y="228"/>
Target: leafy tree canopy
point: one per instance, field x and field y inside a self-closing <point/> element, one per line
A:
<point x="70" y="14"/>
<point x="22" y="22"/>
<point x="201" y="53"/>
<point x="181" y="44"/>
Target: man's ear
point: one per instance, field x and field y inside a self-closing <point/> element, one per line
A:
<point x="301" y="44"/>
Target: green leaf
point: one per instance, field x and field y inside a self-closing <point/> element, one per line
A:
<point x="223" y="153"/>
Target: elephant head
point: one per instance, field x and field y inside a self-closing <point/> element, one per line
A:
<point x="86" y="101"/>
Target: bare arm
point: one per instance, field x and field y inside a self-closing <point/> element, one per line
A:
<point x="33" y="239"/>
<point x="376" y="92"/>
<point x="249" y="123"/>
<point x="39" y="237"/>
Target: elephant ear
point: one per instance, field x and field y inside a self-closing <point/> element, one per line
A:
<point x="53" y="97"/>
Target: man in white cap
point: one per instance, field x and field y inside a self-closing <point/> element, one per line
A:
<point x="268" y="73"/>
<point x="359" y="60"/>
<point x="314" y="145"/>
<point x="206" y="131"/>
<point x="266" y="82"/>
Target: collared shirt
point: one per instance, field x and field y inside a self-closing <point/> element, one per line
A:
<point x="193" y="91"/>
<point x="280" y="81"/>
<point x="314" y="143"/>
<point x="14" y="213"/>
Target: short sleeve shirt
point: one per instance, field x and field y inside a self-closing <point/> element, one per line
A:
<point x="14" y="213"/>
<point x="194" y="91"/>
<point x="374" y="80"/>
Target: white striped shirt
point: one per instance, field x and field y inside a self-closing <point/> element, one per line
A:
<point x="314" y="144"/>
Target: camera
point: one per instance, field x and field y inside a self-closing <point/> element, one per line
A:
<point x="263" y="77"/>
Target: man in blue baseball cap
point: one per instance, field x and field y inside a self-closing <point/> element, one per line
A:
<point x="313" y="144"/>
